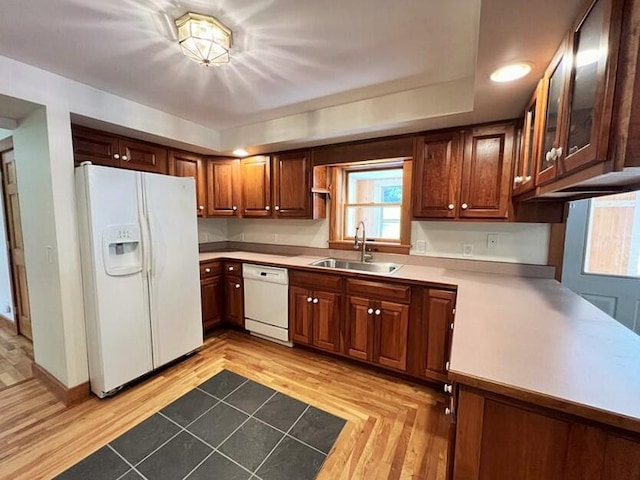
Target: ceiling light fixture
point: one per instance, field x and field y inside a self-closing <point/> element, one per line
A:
<point x="511" y="72"/>
<point x="204" y="39"/>
<point x="240" y="152"/>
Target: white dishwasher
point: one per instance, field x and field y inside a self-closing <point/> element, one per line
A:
<point x="266" y="302"/>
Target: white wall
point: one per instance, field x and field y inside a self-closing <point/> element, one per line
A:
<point x="212" y="230"/>
<point x="305" y="233"/>
<point x="6" y="296"/>
<point x="517" y="242"/>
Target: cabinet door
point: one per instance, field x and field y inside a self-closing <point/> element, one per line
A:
<point x="436" y="177"/>
<point x="523" y="180"/>
<point x="393" y="324"/>
<point x="360" y="328"/>
<point x="211" y="292"/>
<point x="143" y="156"/>
<point x="223" y="187"/>
<point x="438" y="308"/>
<point x="591" y="86"/>
<point x="95" y="147"/>
<point x="234" y="301"/>
<point x="326" y="320"/>
<point x="256" y="186"/>
<point x="292" y="185"/>
<point x="551" y="130"/>
<point x="184" y="164"/>
<point x="487" y="172"/>
<point x="300" y="314"/>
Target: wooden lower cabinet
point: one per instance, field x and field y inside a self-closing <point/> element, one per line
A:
<point x="438" y="308"/>
<point x="360" y="328"/>
<point x="315" y="318"/>
<point x="212" y="297"/>
<point x="234" y="300"/>
<point x="501" y="439"/>
<point x="392" y="327"/>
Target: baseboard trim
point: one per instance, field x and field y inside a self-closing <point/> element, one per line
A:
<point x="69" y="396"/>
<point x="8" y="324"/>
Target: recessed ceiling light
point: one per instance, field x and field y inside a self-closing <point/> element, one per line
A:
<point x="511" y="72"/>
<point x="240" y="152"/>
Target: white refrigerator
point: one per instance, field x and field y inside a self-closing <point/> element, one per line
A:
<point x="140" y="272"/>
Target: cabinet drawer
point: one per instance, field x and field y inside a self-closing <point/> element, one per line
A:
<point x="210" y="269"/>
<point x="319" y="281"/>
<point x="379" y="290"/>
<point x="233" y="268"/>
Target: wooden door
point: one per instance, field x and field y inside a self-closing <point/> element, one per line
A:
<point x="212" y="297"/>
<point x="184" y="164"/>
<point x="234" y="301"/>
<point x="487" y="172"/>
<point x="16" y="245"/>
<point x="223" y="187"/>
<point x="326" y="320"/>
<point x="292" y="185"/>
<point x="96" y="147"/>
<point x="360" y="328"/>
<point x="301" y="314"/>
<point x="438" y="308"/>
<point x="392" y="328"/>
<point x="142" y="156"/>
<point x="256" y="186"/>
<point x="436" y="177"/>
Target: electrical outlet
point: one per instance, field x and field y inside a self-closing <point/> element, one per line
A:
<point x="421" y="246"/>
<point x="467" y="250"/>
<point x="492" y="241"/>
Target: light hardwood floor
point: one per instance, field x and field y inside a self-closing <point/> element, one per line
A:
<point x="16" y="357"/>
<point x="395" y="429"/>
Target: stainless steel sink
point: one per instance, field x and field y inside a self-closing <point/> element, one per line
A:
<point x="371" y="267"/>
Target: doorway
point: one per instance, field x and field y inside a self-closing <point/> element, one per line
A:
<point x="602" y="255"/>
<point x="16" y="348"/>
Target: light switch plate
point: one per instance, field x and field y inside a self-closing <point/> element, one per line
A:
<point x="421" y="246"/>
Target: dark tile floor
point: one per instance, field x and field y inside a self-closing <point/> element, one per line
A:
<point x="228" y="428"/>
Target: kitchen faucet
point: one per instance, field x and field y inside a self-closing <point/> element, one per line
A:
<point x="365" y="256"/>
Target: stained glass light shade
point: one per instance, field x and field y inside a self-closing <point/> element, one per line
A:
<point x="204" y="39"/>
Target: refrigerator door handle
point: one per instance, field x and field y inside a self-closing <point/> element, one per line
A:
<point x="146" y="242"/>
<point x="152" y="256"/>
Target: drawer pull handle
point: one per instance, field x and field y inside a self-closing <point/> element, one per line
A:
<point x="237" y="285"/>
<point x="231" y="269"/>
<point x="207" y="270"/>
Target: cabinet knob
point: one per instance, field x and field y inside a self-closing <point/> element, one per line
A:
<point x="201" y="207"/>
<point x="377" y="312"/>
<point x="447" y="411"/>
<point x="549" y="156"/>
<point x="370" y="311"/>
<point x="116" y="156"/>
<point x="234" y="208"/>
<point x="315" y="300"/>
<point x="231" y="269"/>
<point x="464" y="206"/>
<point x="451" y="326"/>
<point x="517" y="180"/>
<point x="207" y="270"/>
<point x="448" y="388"/>
<point x="451" y="206"/>
<point x="446" y="366"/>
<point x="237" y="285"/>
<point x="558" y="152"/>
<point x="527" y="178"/>
<point x="125" y="158"/>
<point x="277" y="208"/>
<point x="309" y="299"/>
<point x="267" y="208"/>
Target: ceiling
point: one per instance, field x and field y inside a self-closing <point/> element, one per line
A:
<point x="294" y="56"/>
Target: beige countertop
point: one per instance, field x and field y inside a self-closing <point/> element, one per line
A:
<point x="528" y="334"/>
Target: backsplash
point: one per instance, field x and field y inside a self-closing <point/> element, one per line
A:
<point x="526" y="243"/>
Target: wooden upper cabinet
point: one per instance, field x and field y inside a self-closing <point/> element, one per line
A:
<point x="527" y="153"/>
<point x="256" y="186"/>
<point x="96" y="147"/>
<point x="115" y="151"/>
<point x="292" y="178"/>
<point x="435" y="179"/>
<point x="223" y="187"/>
<point x="184" y="164"/>
<point x="487" y="171"/>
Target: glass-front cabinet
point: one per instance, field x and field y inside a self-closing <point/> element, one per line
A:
<point x="578" y="87"/>
<point x="523" y="180"/>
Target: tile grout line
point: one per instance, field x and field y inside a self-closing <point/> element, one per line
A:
<point x="281" y="440"/>
<point x="215" y="449"/>
<point x="159" y="412"/>
<point x="279" y="430"/>
<point x="127" y="462"/>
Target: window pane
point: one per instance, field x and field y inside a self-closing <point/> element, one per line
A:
<point x="375" y="186"/>
<point x="381" y="223"/>
<point x="613" y="236"/>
